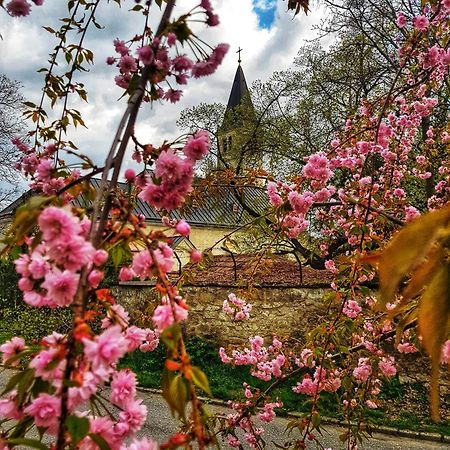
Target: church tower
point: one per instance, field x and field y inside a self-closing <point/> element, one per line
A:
<point x="236" y="136"/>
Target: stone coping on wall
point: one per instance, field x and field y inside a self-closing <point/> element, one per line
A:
<point x="152" y="283"/>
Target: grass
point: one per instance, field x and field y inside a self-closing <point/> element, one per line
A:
<point x="408" y="421"/>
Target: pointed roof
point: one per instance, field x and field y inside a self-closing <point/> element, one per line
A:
<point x="239" y="103"/>
<point x="239" y="91"/>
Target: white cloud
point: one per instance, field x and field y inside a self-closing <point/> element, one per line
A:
<point x="264" y="4"/>
<point x="25" y="47"/>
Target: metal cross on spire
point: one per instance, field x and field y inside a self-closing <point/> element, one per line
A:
<point x="239" y="51"/>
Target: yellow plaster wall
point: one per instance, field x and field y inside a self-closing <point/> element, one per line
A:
<point x="202" y="237"/>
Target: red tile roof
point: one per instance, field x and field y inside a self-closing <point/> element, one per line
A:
<point x="269" y="271"/>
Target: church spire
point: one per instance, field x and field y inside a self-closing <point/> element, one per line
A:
<point x="239" y="91"/>
<point x="234" y="131"/>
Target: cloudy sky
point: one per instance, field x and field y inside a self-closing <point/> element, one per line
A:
<point x="268" y="34"/>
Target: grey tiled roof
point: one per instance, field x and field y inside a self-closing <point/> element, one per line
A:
<point x="218" y="208"/>
<point x="11" y="208"/>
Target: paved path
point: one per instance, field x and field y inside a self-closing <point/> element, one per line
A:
<point x="160" y="425"/>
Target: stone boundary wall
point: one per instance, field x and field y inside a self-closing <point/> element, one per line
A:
<point x="286" y="312"/>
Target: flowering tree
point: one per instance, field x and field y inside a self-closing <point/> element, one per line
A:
<point x="67" y="247"/>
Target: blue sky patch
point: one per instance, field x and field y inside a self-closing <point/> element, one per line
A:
<point x="265" y="10"/>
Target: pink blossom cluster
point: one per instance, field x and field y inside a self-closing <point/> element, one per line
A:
<point x="96" y="365"/>
<point x="40" y="168"/>
<point x="146" y="265"/>
<point x="266" y="362"/>
<point x="372" y="389"/>
<point x="50" y="275"/>
<point x="144" y="339"/>
<point x="10" y="349"/>
<point x="442" y="188"/>
<point x="363" y="370"/>
<point x="322" y="380"/>
<point x="51" y="272"/>
<point x="236" y="308"/>
<point x="318" y="169"/>
<point x="445" y="358"/>
<point x="295" y="222"/>
<point x="173" y="175"/>
<point x="20" y="8"/>
<point x="406" y="346"/>
<point x="387" y="366"/>
<point x="252" y="432"/>
<point x="167" y="313"/>
<point x="351" y="309"/>
<point x="246" y="423"/>
<point x="156" y="56"/>
<point x="268" y="414"/>
<point x="273" y="194"/>
<point x="329" y="265"/>
<point x="391" y="138"/>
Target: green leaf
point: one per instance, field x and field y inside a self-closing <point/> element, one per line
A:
<point x="315" y="420"/>
<point x="133" y="84"/>
<point x="171" y="335"/>
<point x="298" y="5"/>
<point x="174" y="392"/>
<point x="18" y="356"/>
<point x="30" y="104"/>
<point x="22" y="427"/>
<point x="41" y="385"/>
<point x="78" y="428"/>
<point x="26" y="217"/>
<point x="15" y="252"/>
<point x="166" y="380"/>
<point x="178" y="393"/>
<point x="200" y="379"/>
<point x="27" y="443"/>
<point x="102" y="444"/>
<point x="25" y="384"/>
<point x="117" y="255"/>
<point x="182" y="31"/>
<point x="52" y="364"/>
<point x="12" y="382"/>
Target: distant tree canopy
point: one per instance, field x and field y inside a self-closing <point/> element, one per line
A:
<point x="11" y="125"/>
<point x="300" y="111"/>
